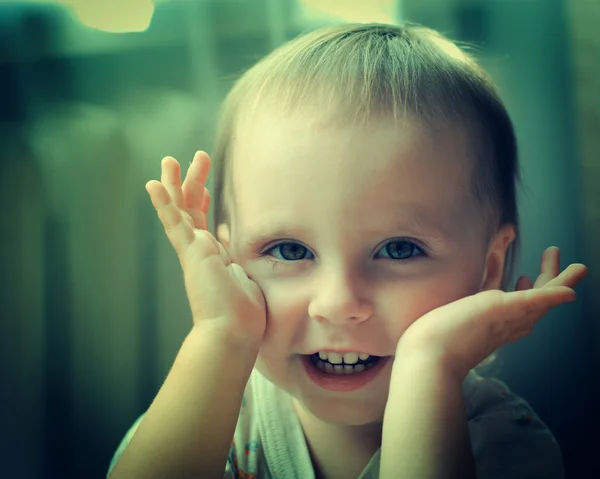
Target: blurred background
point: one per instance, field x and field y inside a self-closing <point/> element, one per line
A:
<point x="93" y="94"/>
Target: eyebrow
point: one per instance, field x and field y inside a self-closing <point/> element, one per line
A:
<point x="415" y="220"/>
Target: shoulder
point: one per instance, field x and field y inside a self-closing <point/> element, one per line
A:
<point x="124" y="443"/>
<point x="508" y="438"/>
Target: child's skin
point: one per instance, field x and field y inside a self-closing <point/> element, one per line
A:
<point x="341" y="194"/>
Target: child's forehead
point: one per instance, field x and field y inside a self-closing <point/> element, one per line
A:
<point x="381" y="172"/>
<point x="315" y="145"/>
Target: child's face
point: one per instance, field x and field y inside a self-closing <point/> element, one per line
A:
<point x="340" y="194"/>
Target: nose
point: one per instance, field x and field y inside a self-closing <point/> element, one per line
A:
<point x="340" y="299"/>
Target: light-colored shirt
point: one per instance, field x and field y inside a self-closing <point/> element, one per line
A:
<point x="508" y="439"/>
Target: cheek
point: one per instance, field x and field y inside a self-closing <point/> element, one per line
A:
<point x="403" y="304"/>
<point x="284" y="307"/>
<point x="286" y="314"/>
<point x="286" y="311"/>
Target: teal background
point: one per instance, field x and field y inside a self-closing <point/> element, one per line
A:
<point x="92" y="304"/>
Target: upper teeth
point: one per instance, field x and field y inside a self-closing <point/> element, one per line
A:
<point x="337" y="358"/>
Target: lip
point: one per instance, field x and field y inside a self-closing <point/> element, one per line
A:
<point x="342" y="382"/>
<point x="344" y="351"/>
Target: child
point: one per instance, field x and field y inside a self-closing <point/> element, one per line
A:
<point x="365" y="205"/>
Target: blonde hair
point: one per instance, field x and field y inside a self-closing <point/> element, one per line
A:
<point x="354" y="72"/>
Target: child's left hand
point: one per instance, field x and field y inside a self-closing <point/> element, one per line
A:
<point x="463" y="333"/>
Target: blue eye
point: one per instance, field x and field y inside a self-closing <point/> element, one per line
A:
<point x="289" y="251"/>
<point x="402" y="250"/>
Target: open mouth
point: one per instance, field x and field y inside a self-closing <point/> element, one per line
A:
<point x="350" y="363"/>
<point x="343" y="372"/>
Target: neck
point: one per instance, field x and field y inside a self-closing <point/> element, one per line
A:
<point x="327" y="443"/>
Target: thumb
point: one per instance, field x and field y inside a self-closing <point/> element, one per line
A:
<point x="523" y="283"/>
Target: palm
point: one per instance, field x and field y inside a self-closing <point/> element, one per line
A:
<point x="463" y="333"/>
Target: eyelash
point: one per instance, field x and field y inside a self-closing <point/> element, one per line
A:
<point x="416" y="248"/>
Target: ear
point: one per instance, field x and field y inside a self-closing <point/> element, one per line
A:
<point x="223" y="235"/>
<point x="496" y="257"/>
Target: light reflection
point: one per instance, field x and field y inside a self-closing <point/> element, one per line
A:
<point x="112" y="16"/>
<point x="383" y="11"/>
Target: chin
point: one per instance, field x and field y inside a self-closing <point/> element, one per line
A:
<point x="343" y="412"/>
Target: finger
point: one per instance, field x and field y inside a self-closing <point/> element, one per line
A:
<point x="199" y="220"/>
<point x="517" y="313"/>
<point x="179" y="232"/>
<point x="200" y="217"/>
<point x="533" y="301"/>
<point x="549" y="266"/>
<point x="502" y="307"/>
<point x="171" y="178"/>
<point x="195" y="181"/>
<point x="206" y="203"/>
<point x="523" y="283"/>
<point x="217" y="246"/>
<point x="514" y="306"/>
<point x="224" y="255"/>
<point x="570" y="277"/>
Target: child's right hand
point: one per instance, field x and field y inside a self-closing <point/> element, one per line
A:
<point x="222" y="298"/>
